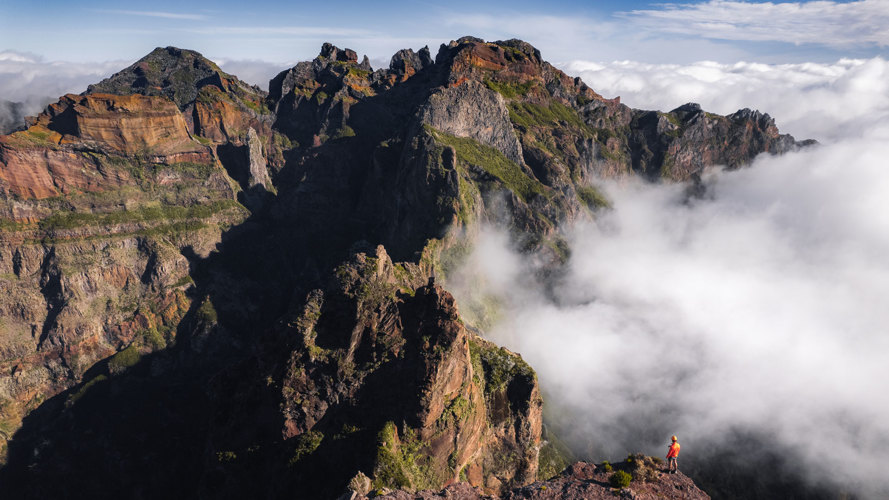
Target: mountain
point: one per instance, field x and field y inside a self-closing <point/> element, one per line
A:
<point x="216" y="291"/>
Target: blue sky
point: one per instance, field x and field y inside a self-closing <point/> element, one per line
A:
<point x="285" y="32"/>
<point x="52" y="47"/>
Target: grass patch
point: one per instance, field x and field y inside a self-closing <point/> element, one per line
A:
<point x="153" y="338"/>
<point x="73" y="398"/>
<point x="592" y="197"/>
<point x="620" y="479"/>
<point x="70" y="220"/>
<point x="306" y="444"/>
<point x="397" y="459"/>
<point x="528" y="115"/>
<point x="498" y="365"/>
<point x="345" y="131"/>
<point x="207" y="313"/>
<point x="509" y="90"/>
<point x="357" y="72"/>
<point x="124" y="359"/>
<point x="493" y="162"/>
<point x="183" y="281"/>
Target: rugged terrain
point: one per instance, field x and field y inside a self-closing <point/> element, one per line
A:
<point x="212" y="290"/>
<point x="647" y="479"/>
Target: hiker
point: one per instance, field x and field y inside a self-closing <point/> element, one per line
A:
<point x="673" y="457"/>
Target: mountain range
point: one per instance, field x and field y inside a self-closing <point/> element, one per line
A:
<point x="216" y="291"/>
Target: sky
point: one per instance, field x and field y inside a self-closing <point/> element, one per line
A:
<point x="759" y="308"/>
<point x="273" y="35"/>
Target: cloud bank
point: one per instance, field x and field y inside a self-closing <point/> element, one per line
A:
<point x="757" y="310"/>
<point x="28" y="79"/>
<point x="841" y="24"/>
<point x="827" y="102"/>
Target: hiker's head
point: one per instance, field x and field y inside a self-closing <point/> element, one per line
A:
<point x="674" y="438"/>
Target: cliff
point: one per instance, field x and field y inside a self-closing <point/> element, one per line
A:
<point x="217" y="291"/>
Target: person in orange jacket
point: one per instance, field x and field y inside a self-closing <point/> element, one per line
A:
<point x="673" y="456"/>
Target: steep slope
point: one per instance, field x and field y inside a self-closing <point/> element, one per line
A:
<point x="199" y="273"/>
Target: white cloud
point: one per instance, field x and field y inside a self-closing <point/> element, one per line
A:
<point x="28" y="78"/>
<point x="254" y="72"/>
<point x="315" y="32"/>
<point x="829" y="23"/>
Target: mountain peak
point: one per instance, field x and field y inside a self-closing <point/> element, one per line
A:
<point x="166" y="71"/>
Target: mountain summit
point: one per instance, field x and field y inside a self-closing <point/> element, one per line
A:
<point x="215" y="291"/>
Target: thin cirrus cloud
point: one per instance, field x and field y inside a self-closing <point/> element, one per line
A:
<point x="157" y="14"/>
<point x="836" y="24"/>
<point x="300" y="31"/>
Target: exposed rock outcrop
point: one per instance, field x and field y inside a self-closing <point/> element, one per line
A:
<point x="580" y="481"/>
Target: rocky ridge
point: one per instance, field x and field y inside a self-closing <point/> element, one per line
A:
<point x="580" y="480"/>
<point x="179" y="244"/>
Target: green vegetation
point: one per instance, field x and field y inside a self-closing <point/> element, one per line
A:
<point x="592" y="197"/>
<point x="256" y="108"/>
<point x="493" y="162"/>
<point x="620" y="479"/>
<point x="498" y="365"/>
<point x="552" y="460"/>
<point x="10" y="225"/>
<point x="320" y="97"/>
<point x="226" y="456"/>
<point x="69" y="220"/>
<point x="672" y="118"/>
<point x="153" y="338"/>
<point x="124" y="359"/>
<point x="529" y="115"/>
<point x="73" y="398"/>
<point x="35" y="136"/>
<point x="345" y="131"/>
<point x="357" y="72"/>
<point x="203" y="140"/>
<point x="207" y="313"/>
<point x="607" y="466"/>
<point x="183" y="281"/>
<point x="667" y="165"/>
<point x="643" y="468"/>
<point x="510" y="90"/>
<point x="396" y="461"/>
<point x="457" y="410"/>
<point x="306" y="444"/>
<point x="283" y="142"/>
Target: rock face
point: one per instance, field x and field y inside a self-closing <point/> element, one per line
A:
<point x="579" y="481"/>
<point x="212" y="291"/>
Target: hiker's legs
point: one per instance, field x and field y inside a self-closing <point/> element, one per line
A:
<point x="672" y="465"/>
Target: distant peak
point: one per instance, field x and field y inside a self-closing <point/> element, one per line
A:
<point x="169" y="71"/>
<point x="332" y="52"/>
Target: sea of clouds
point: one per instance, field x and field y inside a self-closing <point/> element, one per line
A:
<point x="759" y="309"/>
